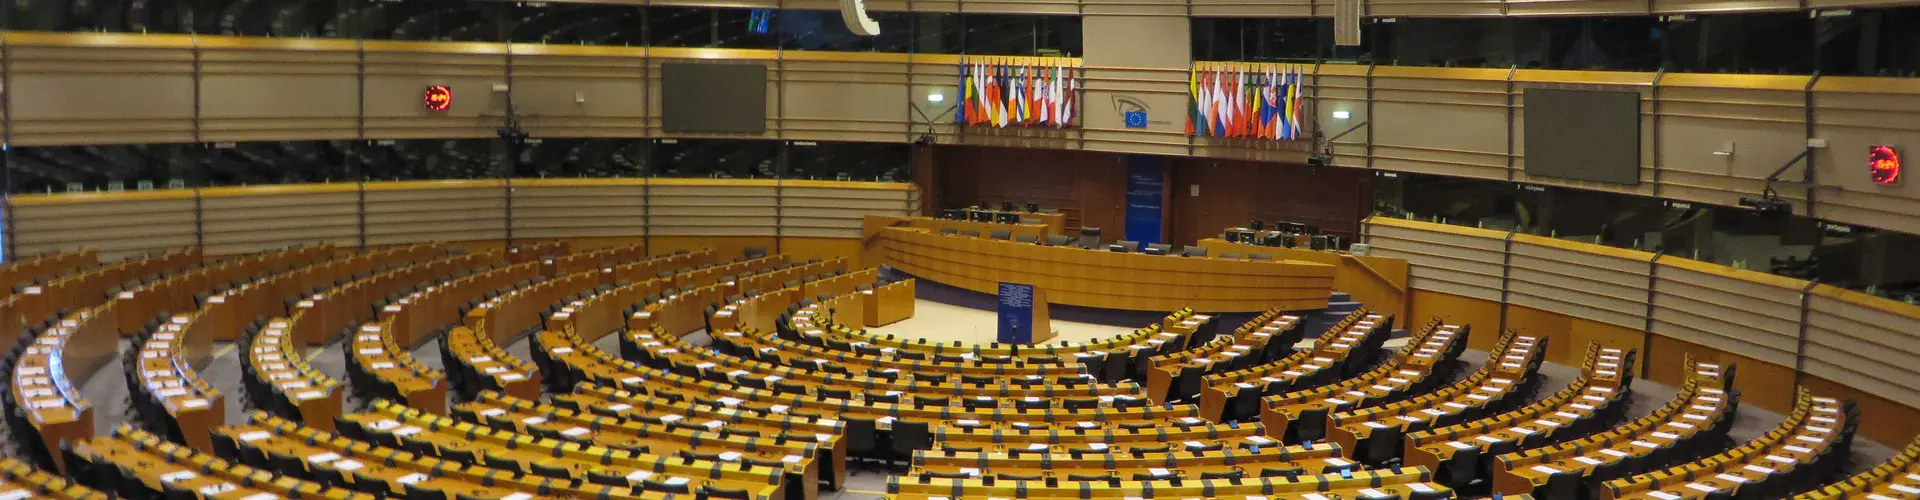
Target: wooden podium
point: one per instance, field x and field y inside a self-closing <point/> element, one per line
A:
<point x="1023" y="315"/>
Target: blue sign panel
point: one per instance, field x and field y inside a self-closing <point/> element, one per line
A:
<point x="1016" y="313"/>
<point x="1146" y="185"/>
<point x="1136" y="118"/>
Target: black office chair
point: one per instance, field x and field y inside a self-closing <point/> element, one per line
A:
<point x="1000" y="234"/>
<point x="1157" y="249"/>
<point x="1124" y="246"/>
<point x="1089" y="237"/>
<point x="1059" y="240"/>
<point x="909" y="437"/>
<point x="1027" y="238"/>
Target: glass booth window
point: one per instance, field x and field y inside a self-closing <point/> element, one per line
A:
<point x="716" y="158"/>
<point x="129" y="167"/>
<point x="566" y="23"/>
<point x="400" y="160"/>
<point x="544" y="158"/>
<point x="849" y="161"/>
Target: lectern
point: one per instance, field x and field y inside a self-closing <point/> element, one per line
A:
<point x="1023" y="314"/>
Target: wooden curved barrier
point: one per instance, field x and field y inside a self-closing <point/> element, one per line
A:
<point x="1098" y="278"/>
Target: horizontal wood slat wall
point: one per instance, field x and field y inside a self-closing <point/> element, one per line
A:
<point x="247" y="219"/>
<point x="1853" y="341"/>
<point x="1464" y="122"/>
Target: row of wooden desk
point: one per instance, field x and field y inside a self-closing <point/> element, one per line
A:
<point x="1428" y="356"/>
<point x="1374" y="434"/>
<point x="1236" y="394"/>
<point x="1460" y="451"/>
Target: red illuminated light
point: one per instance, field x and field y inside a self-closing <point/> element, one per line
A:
<point x="439" y="98"/>
<point x="1883" y="164"/>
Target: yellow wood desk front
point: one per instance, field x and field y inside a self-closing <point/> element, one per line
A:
<point x="1098" y="278"/>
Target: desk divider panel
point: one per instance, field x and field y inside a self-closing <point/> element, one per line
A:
<point x="240" y="220"/>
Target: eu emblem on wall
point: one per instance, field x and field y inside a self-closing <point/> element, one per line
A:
<point x="1136" y="118"/>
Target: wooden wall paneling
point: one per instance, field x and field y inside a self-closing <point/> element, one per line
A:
<point x="1742" y="313"/>
<point x="1090" y="188"/>
<point x="69" y="89"/>
<point x="1246" y="8"/>
<point x="1111" y="91"/>
<point x="663" y="55"/>
<point x="1641" y="83"/>
<point x="1763" y="116"/>
<point x="837" y="212"/>
<point x="579" y="208"/>
<point x="1117" y="8"/>
<point x="1538" y="323"/>
<point x="861" y="97"/>
<point x="1441" y="8"/>
<point x="1343" y="87"/>
<point x="398" y="73"/>
<point x="1027" y="7"/>
<point x="1483" y="314"/>
<point x="699" y="207"/>
<point x="1093" y="278"/>
<point x="1853" y="114"/>
<point x="420" y="211"/>
<point x="118" y="225"/>
<point x="1830" y="4"/>
<point x="252" y="219"/>
<point x="1434" y="120"/>
<point x="1721" y="6"/>
<point x="1584" y="331"/>
<point x="1579" y="280"/>
<point x="1232" y="193"/>
<point x="1456" y="260"/>
<point x="278" y="89"/>
<point x="1575" y="8"/>
<point x="580" y="91"/>
<point x="1864" y="342"/>
<point x="1882" y="419"/>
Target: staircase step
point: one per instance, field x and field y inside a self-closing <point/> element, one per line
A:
<point x="1341" y="297"/>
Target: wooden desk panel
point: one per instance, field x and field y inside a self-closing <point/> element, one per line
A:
<point x="1093" y="278"/>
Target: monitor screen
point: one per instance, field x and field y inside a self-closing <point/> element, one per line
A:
<point x="713" y="97"/>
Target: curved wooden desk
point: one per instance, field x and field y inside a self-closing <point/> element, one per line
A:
<point x="1111" y="280"/>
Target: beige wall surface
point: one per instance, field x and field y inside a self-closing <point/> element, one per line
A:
<point x="103" y="89"/>
<point x="1855" y="346"/>
<point x="248" y="219"/>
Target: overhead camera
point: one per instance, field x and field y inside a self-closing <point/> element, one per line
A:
<point x="1320" y="160"/>
<point x="1768" y="204"/>
<point x="924" y="140"/>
